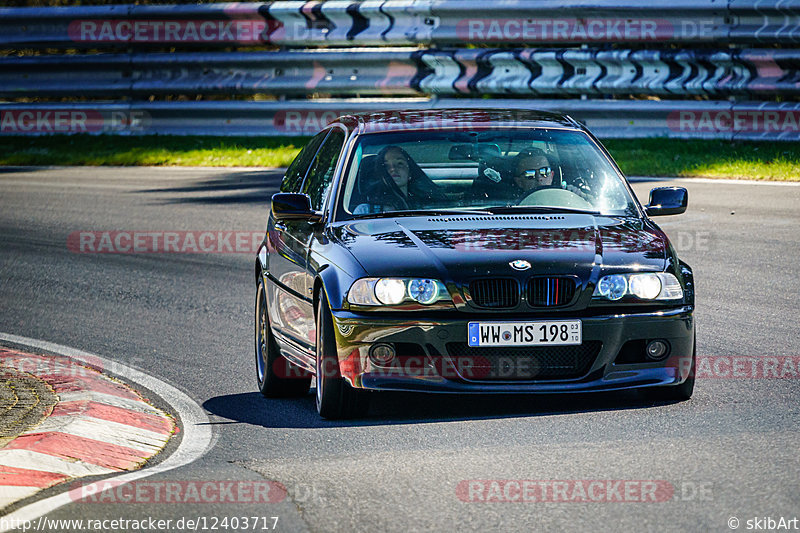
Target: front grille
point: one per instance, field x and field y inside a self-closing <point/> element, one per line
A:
<point x="494" y="293"/>
<point x="550" y="292"/>
<point x="523" y="362"/>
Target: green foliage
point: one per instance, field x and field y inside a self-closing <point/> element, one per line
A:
<point x="776" y="161"/>
<point x="150" y="150"/>
<point x="636" y="157"/>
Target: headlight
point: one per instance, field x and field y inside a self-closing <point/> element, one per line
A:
<point x="394" y="291"/>
<point x="612" y="287"/>
<point x="424" y="291"/>
<point x="390" y="291"/>
<point x="644" y="286"/>
<point x="362" y="292"/>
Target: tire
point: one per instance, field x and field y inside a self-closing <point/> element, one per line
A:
<point x="677" y="393"/>
<point x="336" y="399"/>
<point x="269" y="358"/>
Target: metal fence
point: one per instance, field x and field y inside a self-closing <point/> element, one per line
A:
<point x="609" y="118"/>
<point x="683" y="68"/>
<point x="748" y="73"/>
<point x="404" y="22"/>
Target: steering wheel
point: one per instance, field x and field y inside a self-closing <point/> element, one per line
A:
<point x="552" y="197"/>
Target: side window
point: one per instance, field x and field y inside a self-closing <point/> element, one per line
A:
<point x="321" y="174"/>
<point x="297" y="170"/>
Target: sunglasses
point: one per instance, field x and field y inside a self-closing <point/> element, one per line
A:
<point x="535" y="173"/>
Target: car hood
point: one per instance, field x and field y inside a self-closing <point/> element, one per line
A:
<point x="464" y="247"/>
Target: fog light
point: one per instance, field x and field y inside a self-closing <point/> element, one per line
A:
<point x="381" y="354"/>
<point x="657" y="350"/>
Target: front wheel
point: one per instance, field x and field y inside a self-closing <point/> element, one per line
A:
<point x="335" y="397"/>
<point x="276" y="376"/>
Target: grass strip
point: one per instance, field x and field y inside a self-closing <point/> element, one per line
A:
<point x="774" y="161"/>
<point x="155" y="150"/>
<point x="778" y="161"/>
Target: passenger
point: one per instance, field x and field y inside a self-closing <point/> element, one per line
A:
<point x="401" y="185"/>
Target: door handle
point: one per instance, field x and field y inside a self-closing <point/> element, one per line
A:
<point x="281" y="226"/>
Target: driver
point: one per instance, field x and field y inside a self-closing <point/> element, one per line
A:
<point x="532" y="171"/>
<point x="529" y="171"/>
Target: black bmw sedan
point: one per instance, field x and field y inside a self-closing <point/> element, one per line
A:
<point x="467" y="251"/>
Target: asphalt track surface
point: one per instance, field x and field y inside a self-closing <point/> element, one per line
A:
<point x="187" y="319"/>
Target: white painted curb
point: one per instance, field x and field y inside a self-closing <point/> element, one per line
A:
<point x="196" y="438"/>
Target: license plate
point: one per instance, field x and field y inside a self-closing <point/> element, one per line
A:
<point x="541" y="333"/>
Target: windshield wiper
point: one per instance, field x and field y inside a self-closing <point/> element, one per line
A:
<point x="539" y="209"/>
<point x="423" y="212"/>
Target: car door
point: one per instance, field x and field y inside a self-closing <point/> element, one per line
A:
<point x="287" y="244"/>
<point x="317" y="186"/>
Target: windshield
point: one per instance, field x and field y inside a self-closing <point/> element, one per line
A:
<point x="502" y="170"/>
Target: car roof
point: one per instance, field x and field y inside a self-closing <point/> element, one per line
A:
<point x="463" y="119"/>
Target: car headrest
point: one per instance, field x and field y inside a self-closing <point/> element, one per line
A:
<point x="366" y="173"/>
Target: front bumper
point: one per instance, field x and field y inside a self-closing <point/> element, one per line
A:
<point x="432" y="369"/>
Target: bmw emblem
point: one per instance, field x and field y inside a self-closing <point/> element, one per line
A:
<point x="520" y="264"/>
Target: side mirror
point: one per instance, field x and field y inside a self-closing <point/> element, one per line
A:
<point x="667" y="201"/>
<point x="293" y="206"/>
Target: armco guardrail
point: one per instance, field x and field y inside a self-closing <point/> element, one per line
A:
<point x="537" y="71"/>
<point x="606" y="118"/>
<point x="343" y="72"/>
<point x="759" y="21"/>
<point x="405" y="22"/>
<point x="403" y="72"/>
<point x="536" y="54"/>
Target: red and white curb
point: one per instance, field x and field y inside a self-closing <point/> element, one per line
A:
<point x="98" y="426"/>
<point x="196" y="436"/>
